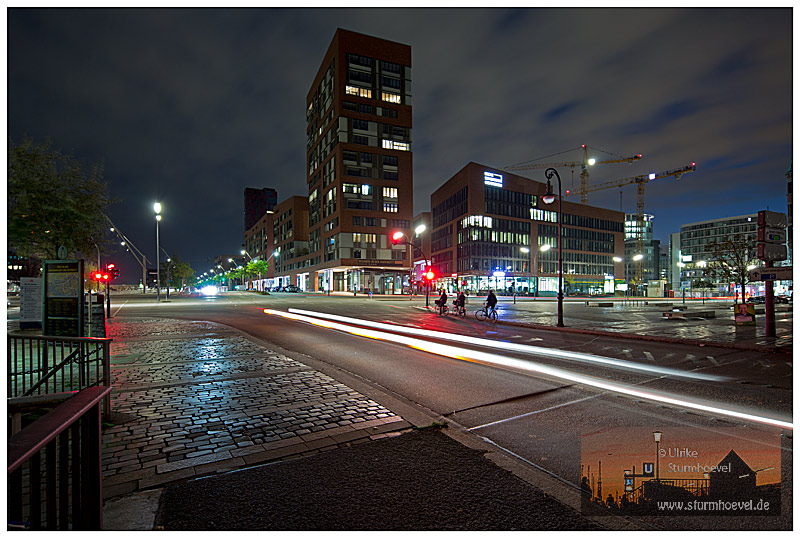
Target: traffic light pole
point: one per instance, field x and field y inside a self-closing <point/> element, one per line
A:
<point x="108" y="299"/>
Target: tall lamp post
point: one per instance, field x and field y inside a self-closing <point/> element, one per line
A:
<point x="549" y="198"/>
<point x="636" y="258"/>
<point x="657" y="437"/>
<point x="157" y="209"/>
<point x="245" y="253"/>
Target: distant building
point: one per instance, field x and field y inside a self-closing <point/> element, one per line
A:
<point x="488" y="227"/>
<point x="651" y="250"/>
<point x="256" y="203"/>
<point x="694" y="250"/>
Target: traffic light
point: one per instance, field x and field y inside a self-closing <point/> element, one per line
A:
<point x="429" y="274"/>
<point x="100" y="276"/>
<point x="112" y="271"/>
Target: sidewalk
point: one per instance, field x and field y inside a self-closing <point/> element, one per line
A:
<point x="198" y="399"/>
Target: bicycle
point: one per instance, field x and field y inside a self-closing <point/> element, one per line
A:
<point x="441" y="309"/>
<point x="460" y="311"/>
<point x="486" y="313"/>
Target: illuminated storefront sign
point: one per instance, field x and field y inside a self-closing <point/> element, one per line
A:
<point x="492" y="179"/>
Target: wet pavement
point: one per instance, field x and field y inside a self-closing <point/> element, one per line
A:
<point x="196" y="398"/>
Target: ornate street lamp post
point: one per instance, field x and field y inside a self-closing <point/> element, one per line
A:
<point x="549" y="198"/>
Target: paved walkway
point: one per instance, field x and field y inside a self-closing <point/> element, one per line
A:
<point x="196" y="398"/>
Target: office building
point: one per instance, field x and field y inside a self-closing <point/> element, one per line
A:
<point x="359" y="165"/>
<point x="488" y="227"/>
<point x="695" y="253"/>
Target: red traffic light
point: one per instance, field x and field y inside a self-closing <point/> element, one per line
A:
<point x="429" y="275"/>
<point x="110" y="266"/>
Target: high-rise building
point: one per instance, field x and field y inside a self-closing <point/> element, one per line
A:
<point x="256" y="203"/>
<point x="359" y="165"/>
<point x="651" y="254"/>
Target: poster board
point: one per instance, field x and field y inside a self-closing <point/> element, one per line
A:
<point x="63" y="298"/>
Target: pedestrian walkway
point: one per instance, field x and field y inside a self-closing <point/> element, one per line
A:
<point x="196" y="398"/>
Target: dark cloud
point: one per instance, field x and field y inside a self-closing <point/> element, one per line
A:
<point x="190" y="106"/>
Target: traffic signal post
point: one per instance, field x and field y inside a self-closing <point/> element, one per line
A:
<point x="771" y="247"/>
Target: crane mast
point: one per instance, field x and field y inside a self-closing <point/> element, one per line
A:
<point x="585" y="164"/>
<point x="640" y="182"/>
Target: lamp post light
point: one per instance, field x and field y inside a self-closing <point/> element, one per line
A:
<point x="549" y="198"/>
<point x="657" y="437"/>
<point x="400" y="237"/>
<point x="526" y="250"/>
<point x="157" y="209"/>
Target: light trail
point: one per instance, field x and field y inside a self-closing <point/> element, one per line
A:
<point x="492" y="359"/>
<point x="517" y="348"/>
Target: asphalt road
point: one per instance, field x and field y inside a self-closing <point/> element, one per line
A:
<point x="552" y="421"/>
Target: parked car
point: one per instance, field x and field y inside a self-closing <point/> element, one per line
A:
<point x="782" y="299"/>
<point x="291" y="288"/>
<point x="757" y="299"/>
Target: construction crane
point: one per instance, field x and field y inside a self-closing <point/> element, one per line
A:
<point x="640" y="182"/>
<point x="583" y="164"/>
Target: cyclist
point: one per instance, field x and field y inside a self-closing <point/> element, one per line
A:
<point x="460" y="302"/>
<point x="491" y="300"/>
<point x="441" y="302"/>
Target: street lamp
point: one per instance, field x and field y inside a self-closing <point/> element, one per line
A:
<point x="157" y="209"/>
<point x="526" y="250"/>
<point x="636" y="258"/>
<point x="549" y="198"/>
<point x="657" y="437"/>
<point x="400" y="237"/>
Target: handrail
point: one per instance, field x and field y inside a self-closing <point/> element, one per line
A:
<point x="76" y="339"/>
<point x="36" y="436"/>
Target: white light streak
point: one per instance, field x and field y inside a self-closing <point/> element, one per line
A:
<point x="518" y="348"/>
<point x="522" y="365"/>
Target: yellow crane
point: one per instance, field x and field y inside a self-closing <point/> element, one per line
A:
<point x="640" y="182"/>
<point x="585" y="164"/>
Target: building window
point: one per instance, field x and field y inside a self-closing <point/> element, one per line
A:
<point x="359" y="76"/>
<point x="390" y="192"/>
<point x="358" y="139"/>
<point x="390" y="175"/>
<point x="356" y="221"/>
<point x="390" y="207"/>
<point x="390" y="67"/>
<point x="400" y="146"/>
<point x="391" y="82"/>
<point x="390" y="160"/>
<point x="390" y="97"/>
<point x="360" y="92"/>
<point x="361" y="125"/>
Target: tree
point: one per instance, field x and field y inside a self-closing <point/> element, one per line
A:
<point x="257" y="267"/>
<point x="179" y="272"/>
<point x="53" y="201"/>
<point x="729" y="260"/>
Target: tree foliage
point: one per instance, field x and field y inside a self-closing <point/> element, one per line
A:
<point x="53" y="200"/>
<point x="180" y="272"/>
<point x="729" y="259"/>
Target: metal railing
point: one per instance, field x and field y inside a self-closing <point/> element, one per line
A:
<point x="39" y="365"/>
<point x="66" y="492"/>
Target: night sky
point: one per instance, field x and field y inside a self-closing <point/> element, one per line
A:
<point x="190" y="106"/>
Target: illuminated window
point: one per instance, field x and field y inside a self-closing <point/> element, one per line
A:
<point x="390" y="207"/>
<point x="361" y="92"/>
<point x="401" y="146"/>
<point x="390" y="97"/>
<point x="366" y="190"/>
<point x="390" y="192"/>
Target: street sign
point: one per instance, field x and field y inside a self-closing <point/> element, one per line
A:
<point x="771" y="273"/>
<point x="770" y="252"/>
<point x="772" y="235"/>
<point x="648" y="468"/>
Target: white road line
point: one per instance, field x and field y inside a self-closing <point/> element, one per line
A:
<point x="531" y="413"/>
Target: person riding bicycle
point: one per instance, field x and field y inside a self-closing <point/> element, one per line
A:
<point x="442" y="300"/>
<point x="491" y="300"/>
<point x="460" y="301"/>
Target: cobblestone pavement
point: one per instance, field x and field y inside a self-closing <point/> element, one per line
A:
<point x="197" y="398"/>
